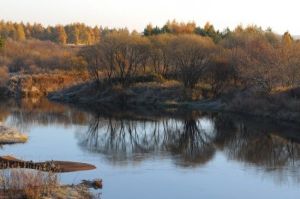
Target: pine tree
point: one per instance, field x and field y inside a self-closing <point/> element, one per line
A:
<point x="1" y="42"/>
<point x="148" y="30"/>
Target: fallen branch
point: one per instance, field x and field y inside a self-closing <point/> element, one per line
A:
<point x="9" y="162"/>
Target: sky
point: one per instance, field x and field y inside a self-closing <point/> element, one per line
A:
<point x="280" y="15"/>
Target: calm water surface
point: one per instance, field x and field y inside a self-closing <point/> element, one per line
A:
<point x="190" y="155"/>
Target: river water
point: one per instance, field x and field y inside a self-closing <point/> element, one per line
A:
<point x="174" y="155"/>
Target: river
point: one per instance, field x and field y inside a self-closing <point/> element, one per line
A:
<point x="176" y="155"/>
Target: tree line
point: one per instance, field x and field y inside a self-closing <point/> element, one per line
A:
<point x="246" y="57"/>
<point x="174" y="27"/>
<point x="76" y="33"/>
<point x="79" y="33"/>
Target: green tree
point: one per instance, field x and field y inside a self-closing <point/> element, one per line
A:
<point x="211" y="32"/>
<point x="2" y="42"/>
<point x="148" y="31"/>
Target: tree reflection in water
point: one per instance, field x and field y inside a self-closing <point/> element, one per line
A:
<point x="261" y="148"/>
<point x="190" y="141"/>
<point x="193" y="140"/>
<point x="26" y="113"/>
<point x="122" y="139"/>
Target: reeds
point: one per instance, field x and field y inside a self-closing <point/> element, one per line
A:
<point x="20" y="183"/>
<point x="32" y="184"/>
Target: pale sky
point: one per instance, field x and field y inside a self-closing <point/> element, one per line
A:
<point x="136" y="14"/>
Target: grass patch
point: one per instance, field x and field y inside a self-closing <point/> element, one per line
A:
<point x="29" y="184"/>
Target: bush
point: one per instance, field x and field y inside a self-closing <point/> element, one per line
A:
<point x="33" y="56"/>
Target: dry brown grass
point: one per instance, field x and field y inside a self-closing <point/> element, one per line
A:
<point x="280" y="89"/>
<point x="281" y="105"/>
<point x="38" y="85"/>
<point x="17" y="183"/>
<point x="29" y="184"/>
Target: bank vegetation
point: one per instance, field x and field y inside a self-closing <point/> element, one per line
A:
<point x="247" y="69"/>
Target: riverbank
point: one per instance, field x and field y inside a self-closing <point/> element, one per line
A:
<point x="281" y="105"/>
<point x="40" y="84"/>
<point x="30" y="184"/>
<point x="151" y="93"/>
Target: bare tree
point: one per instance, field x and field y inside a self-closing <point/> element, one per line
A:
<point x="124" y="54"/>
<point x="191" y="55"/>
<point x="93" y="57"/>
<point x="221" y="75"/>
<point x="256" y="57"/>
<point x="290" y="64"/>
<point x="118" y="55"/>
<point x="159" y="53"/>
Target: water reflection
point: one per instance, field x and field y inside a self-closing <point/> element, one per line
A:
<point x="30" y="112"/>
<point x="191" y="139"/>
<point x="262" y="148"/>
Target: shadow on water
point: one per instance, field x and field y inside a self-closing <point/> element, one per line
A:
<point x="189" y="138"/>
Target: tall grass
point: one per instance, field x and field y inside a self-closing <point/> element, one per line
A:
<point x="31" y="184"/>
<point x="16" y="183"/>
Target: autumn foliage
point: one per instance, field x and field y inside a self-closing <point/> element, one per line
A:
<point x="245" y="58"/>
<point x="198" y="57"/>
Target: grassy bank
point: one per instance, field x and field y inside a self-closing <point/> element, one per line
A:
<point x="26" y="184"/>
<point x="279" y="105"/>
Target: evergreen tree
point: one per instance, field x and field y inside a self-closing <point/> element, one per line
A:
<point x="148" y="31"/>
<point x="1" y="42"/>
